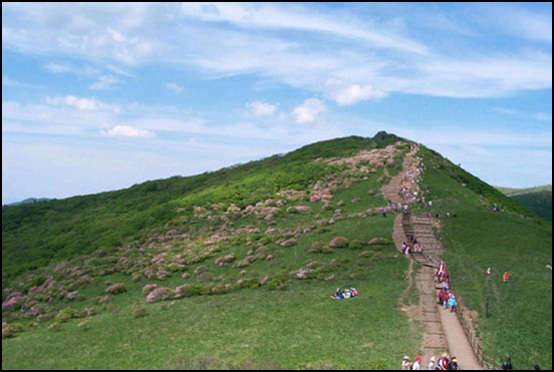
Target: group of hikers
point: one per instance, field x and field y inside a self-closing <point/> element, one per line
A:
<point x="415" y="247"/>
<point x="446" y="295"/>
<point x="347" y="293"/>
<point x="444" y="363"/>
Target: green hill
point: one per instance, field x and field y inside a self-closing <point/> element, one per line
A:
<point x="537" y="199"/>
<point x="233" y="269"/>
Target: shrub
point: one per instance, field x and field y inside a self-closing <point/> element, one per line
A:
<point x="356" y="244"/>
<point x="289" y="243"/>
<point x="116" y="289"/>
<point x="339" y="242"/>
<point x="277" y="284"/>
<point x="65" y="315"/>
<point x="8" y="331"/>
<point x="84" y="325"/>
<point x="55" y="327"/>
<point x="147" y="289"/>
<point x="160" y="294"/>
<point x="319" y="247"/>
<point x="140" y="312"/>
<point x="87" y="312"/>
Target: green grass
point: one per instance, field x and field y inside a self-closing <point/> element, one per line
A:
<point x="295" y="327"/>
<point x="520" y="322"/>
<point x="35" y="235"/>
<point x="514" y="191"/>
<point x="539" y="202"/>
<point x="292" y="328"/>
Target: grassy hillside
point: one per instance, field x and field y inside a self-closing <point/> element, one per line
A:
<point x="248" y="259"/>
<point x="514" y="191"/>
<point x="35" y="235"/>
<point x="537" y="199"/>
<point x="539" y="203"/>
<point x="239" y="265"/>
<point x="476" y="237"/>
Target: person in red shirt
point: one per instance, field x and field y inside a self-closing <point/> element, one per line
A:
<point x="506" y="277"/>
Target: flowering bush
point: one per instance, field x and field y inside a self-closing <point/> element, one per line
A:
<point x="221" y="261"/>
<point x="339" y="242"/>
<point x="288" y="243"/>
<point x="116" y="289"/>
<point x="8" y="331"/>
<point x="160" y="294"/>
<point x="149" y="288"/>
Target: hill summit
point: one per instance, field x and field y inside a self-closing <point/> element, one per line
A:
<point x="240" y="263"/>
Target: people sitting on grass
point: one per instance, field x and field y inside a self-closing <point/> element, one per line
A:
<point x="338" y="295"/>
<point x="348" y="293"/>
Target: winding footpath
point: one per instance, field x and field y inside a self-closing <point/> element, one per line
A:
<point x="442" y="329"/>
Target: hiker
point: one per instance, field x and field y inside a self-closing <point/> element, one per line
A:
<point x="384" y="213"/>
<point x="537" y="367"/>
<point x="445" y="299"/>
<point x="443" y="296"/>
<point x="453" y="365"/>
<point x="432" y="364"/>
<point x="489" y="272"/>
<point x="549" y="266"/>
<point x="406" y="365"/>
<point x="507" y="365"/>
<point x="354" y="292"/>
<point x="443" y="362"/>
<point x="452" y="303"/>
<point x="506" y="277"/>
<point x="417" y="364"/>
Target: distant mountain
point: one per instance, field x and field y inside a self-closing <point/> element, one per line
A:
<point x="537" y="199"/>
<point x="30" y="201"/>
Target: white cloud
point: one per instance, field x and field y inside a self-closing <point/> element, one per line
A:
<point x="176" y="88"/>
<point x="128" y="132"/>
<point x="82" y="104"/>
<point x="105" y="82"/>
<point x="523" y="23"/>
<point x="7" y="82"/>
<point x="57" y="68"/>
<point x="352" y="94"/>
<point x="541" y="116"/>
<point x="296" y="17"/>
<point x="375" y="54"/>
<point x="307" y="112"/>
<point x="261" y="109"/>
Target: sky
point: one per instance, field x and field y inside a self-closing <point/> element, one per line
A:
<point x="101" y="96"/>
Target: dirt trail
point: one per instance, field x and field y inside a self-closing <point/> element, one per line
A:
<point x="442" y="329"/>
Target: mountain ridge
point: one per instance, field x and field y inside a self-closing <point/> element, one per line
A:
<point x="294" y="225"/>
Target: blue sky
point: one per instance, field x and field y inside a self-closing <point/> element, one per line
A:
<point x="97" y="97"/>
